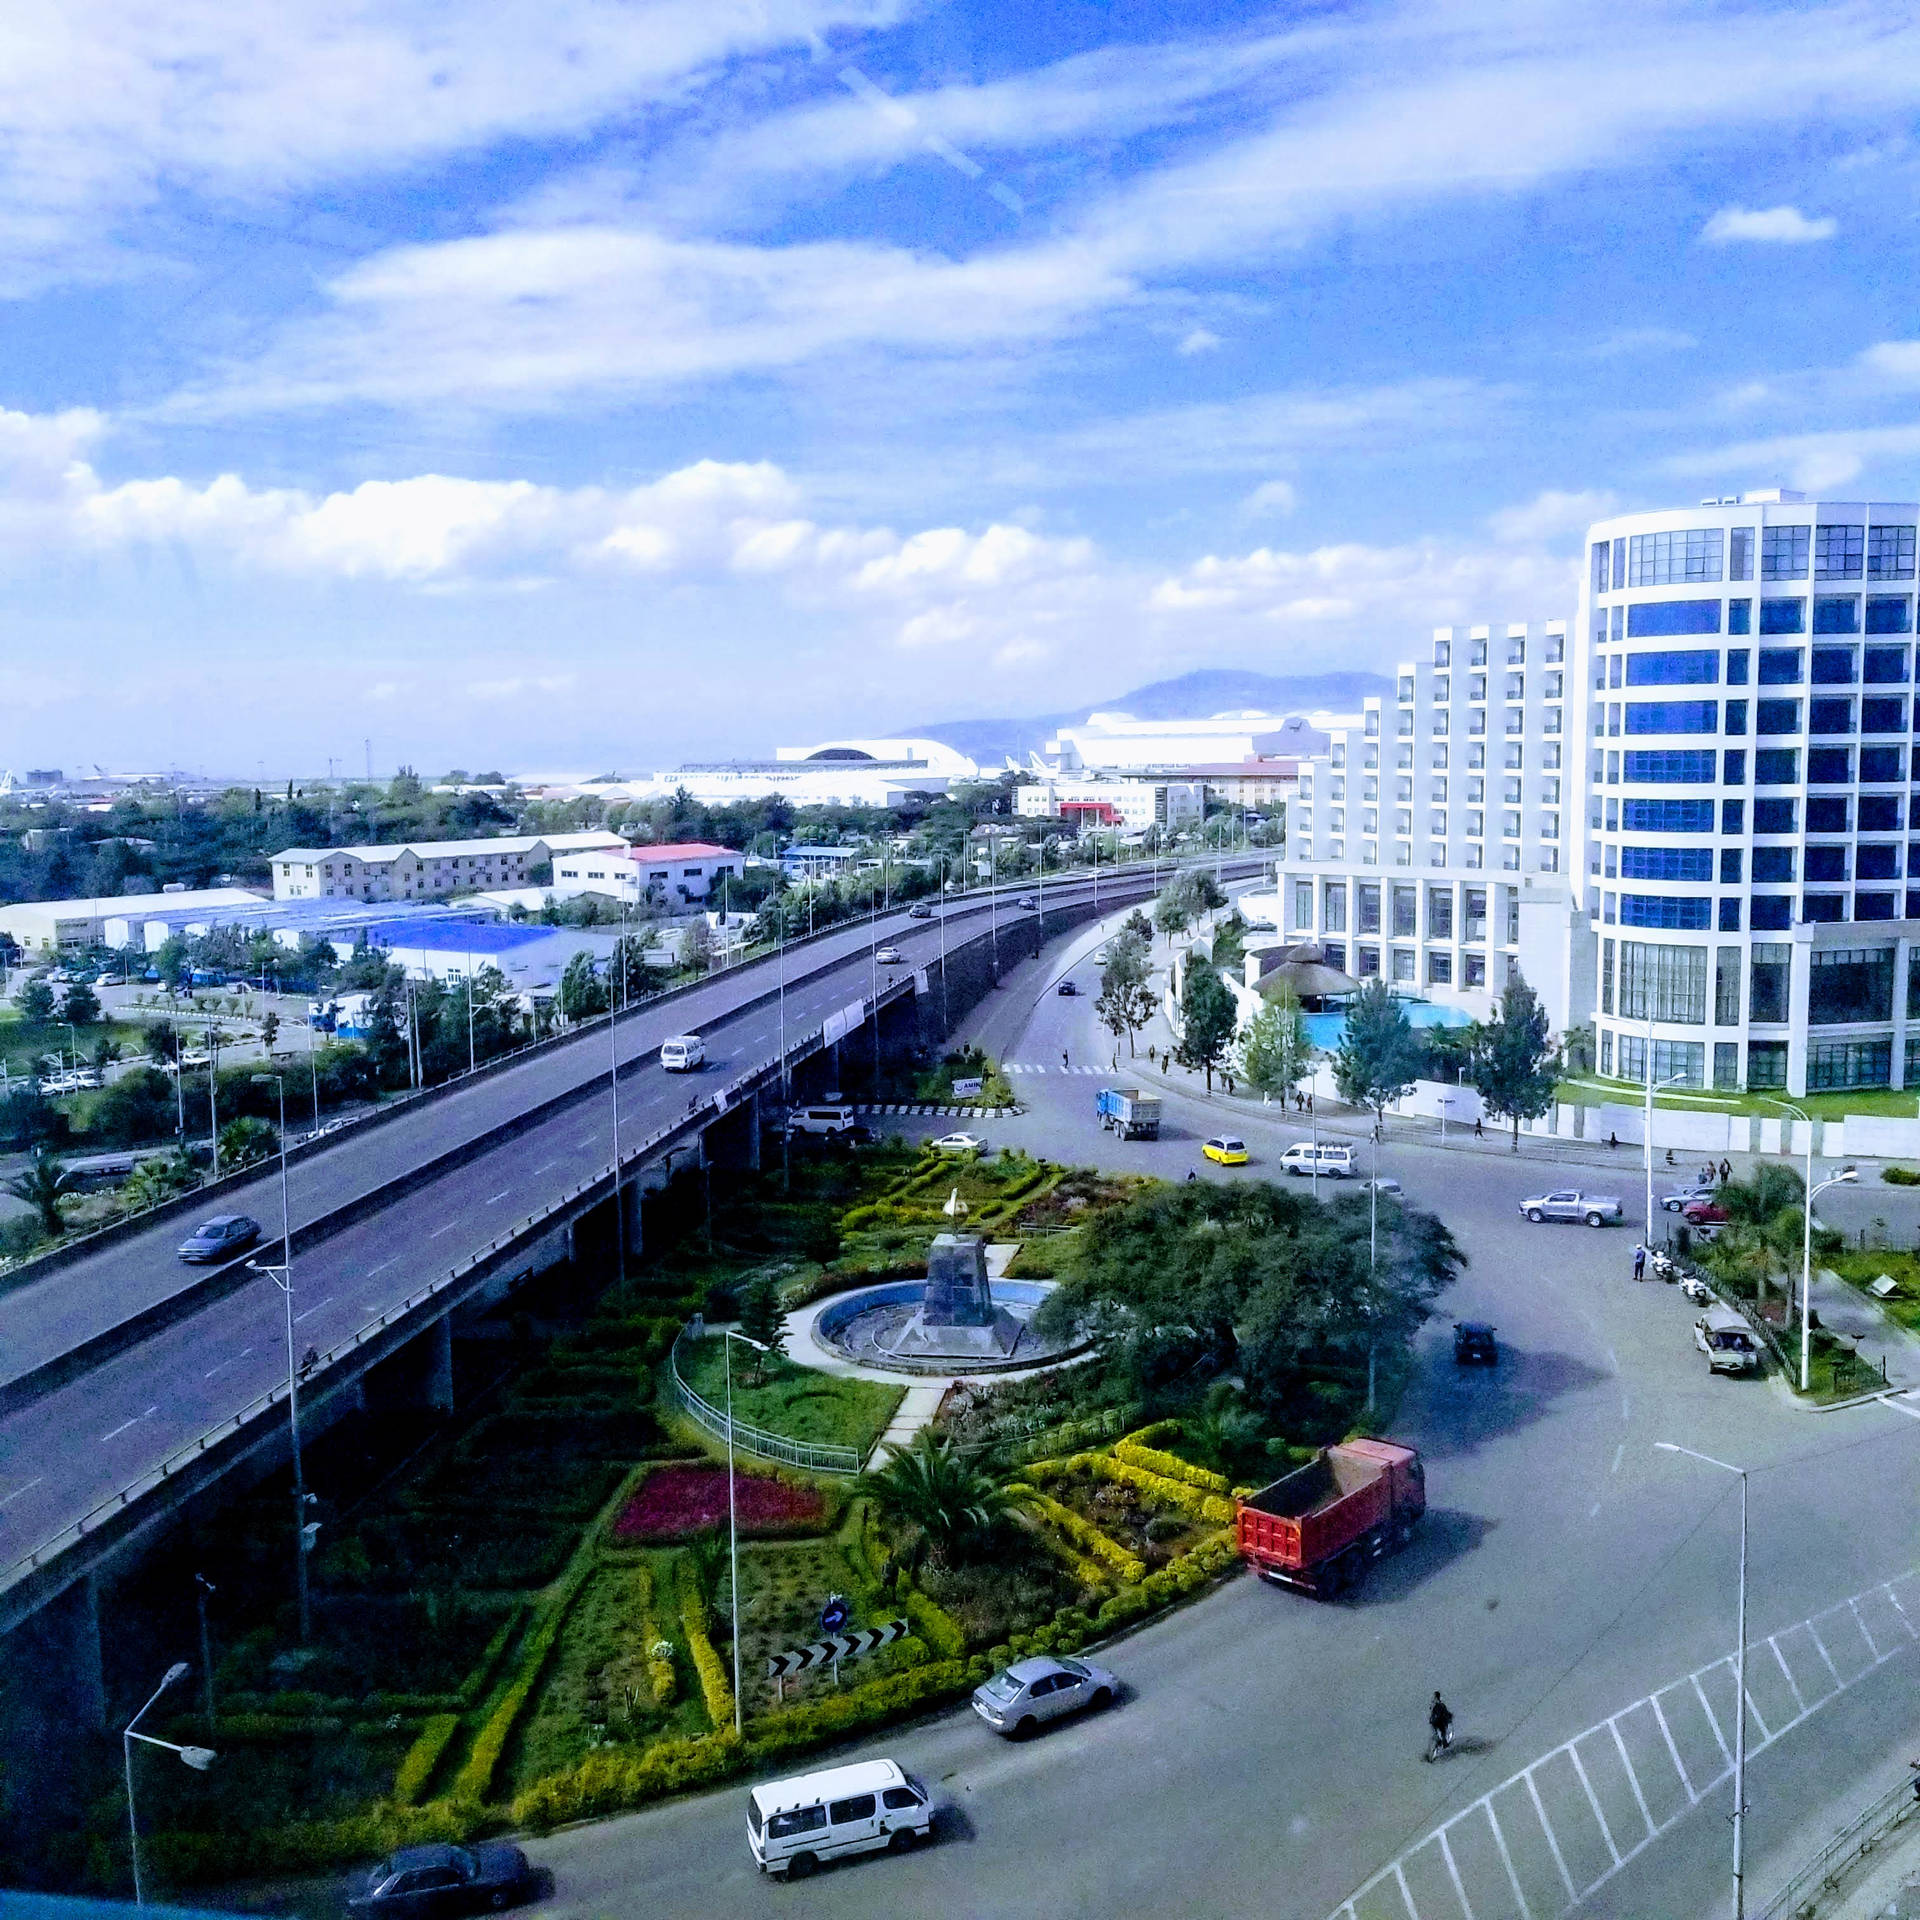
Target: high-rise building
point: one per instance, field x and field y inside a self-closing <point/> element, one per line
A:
<point x="1747" y="670"/>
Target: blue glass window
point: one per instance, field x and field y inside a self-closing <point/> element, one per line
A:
<point x="1890" y="553"/>
<point x="1739" y="616"/>
<point x="1783" y="616"/>
<point x="1836" y="613"/>
<point x="1681" y="913"/>
<point x="1736" y="716"/>
<point x="1733" y="816"/>
<point x="1784" y="552"/>
<point x="1772" y="863"/>
<point x="1827" y="813"/>
<point x="1739" y="664"/>
<point x="1886" y="667"/>
<point x="1673" y="716"/>
<point x="1880" y="813"/>
<point x="1826" y="862"/>
<point x="1776" y="767"/>
<point x="1829" y="766"/>
<point x="1655" y="619"/>
<point x="1883" y="763"/>
<point x="1774" y="816"/>
<point x="1620" y="563"/>
<point x="1729" y="915"/>
<point x="1889" y="613"/>
<point x="1777" y="716"/>
<point x="1736" y="773"/>
<point x="1740" y="554"/>
<point x="1823" y="906"/>
<point x="1686" y="767"/>
<point x="1877" y="860"/>
<point x="1600" y="567"/>
<point x="1619" y="625"/>
<point x="1693" y="669"/>
<point x="1839" y="552"/>
<point x="1731" y="861"/>
<point x="1668" y="816"/>
<point x="1883" y="716"/>
<point x="1870" y="906"/>
<point x="1780" y="666"/>
<point x="1670" y="559"/>
<point x="1831" y="716"/>
<point x="1835" y="667"/>
<point x="1666" y="863"/>
<point x="1770" y="913"/>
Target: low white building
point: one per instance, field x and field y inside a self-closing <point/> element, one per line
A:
<point x="1133" y="805"/>
<point x="675" y="873"/>
<point x="834" y="773"/>
<point x="1117" y="742"/>
<point x="47" y="926"/>
<point x="422" y="870"/>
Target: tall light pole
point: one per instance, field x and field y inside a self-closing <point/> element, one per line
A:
<point x="1373" y="1244"/>
<point x="1739" y="1684"/>
<point x="733" y="1518"/>
<point x="202" y="1587"/>
<point x="282" y="1277"/>
<point x="1844" y="1178"/>
<point x="198" y="1758"/>
<point x="1646" y="1131"/>
<point x="619" y="966"/>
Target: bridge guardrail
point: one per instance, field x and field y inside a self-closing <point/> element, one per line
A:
<point x="821" y="1457"/>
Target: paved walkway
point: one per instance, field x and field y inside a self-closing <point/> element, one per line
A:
<point x="1852" y="1314"/>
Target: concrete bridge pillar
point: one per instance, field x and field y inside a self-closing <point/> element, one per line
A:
<point x="65" y="1659"/>
<point x="419" y="1375"/>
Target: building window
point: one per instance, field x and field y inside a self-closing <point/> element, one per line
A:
<point x="1726" y="1064"/>
<point x="1726" y="987"/>
<point x="1849" y="1063"/>
<point x="1473" y="969"/>
<point x="1731" y="861"/>
<point x="1333" y="904"/>
<point x="1439" y="913"/>
<point x="1367" y="906"/>
<point x="1685" y="767"/>
<point x="1876" y="906"/>
<point x="1606" y="1053"/>
<point x="1781" y="666"/>
<point x="1733" y="816"/>
<point x="1693" y="864"/>
<point x="1836" y="613"/>
<point x="1879" y="813"/>
<point x="1882" y="763"/>
<point x="1739" y="617"/>
<point x="1839" y="552"/>
<point x="1890" y="553"/>
<point x="1673" y="716"/>
<point x="1697" y="667"/>
<point x="1829" y="766"/>
<point x="1674" y="978"/>
<point x="1670" y="559"/>
<point x="1403" y="966"/>
<point x="1849" y="985"/>
<point x="1766" y="1063"/>
<point x="1776" y="717"/>
<point x="1439" y="969"/>
<point x="1886" y="667"/>
<point x="1606" y="976"/>
<point x="1773" y="865"/>
<point x="1783" y="616"/>
<point x="1601" y="568"/>
<point x="1673" y="1060"/>
<point x="1678" y="913"/>
<point x="1784" y="552"/>
<point x="1661" y="619"/>
<point x="1830" y="716"/>
<point x="1366" y="962"/>
<point x="1889" y="613"/>
<point x="1883" y="716"/>
<point x="1405" y="908"/>
<point x="1740" y="554"/>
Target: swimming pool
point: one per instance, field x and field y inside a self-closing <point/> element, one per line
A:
<point x="1327" y="1030"/>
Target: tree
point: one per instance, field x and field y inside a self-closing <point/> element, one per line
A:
<point x="1275" y="1050"/>
<point x="1379" y="1059"/>
<point x="1516" y="1066"/>
<point x="269" y="1029"/>
<point x="35" y="1001"/>
<point x="949" y="1508"/>
<point x="1171" y="913"/>
<point x="696" y="944"/>
<point x="42" y="1186"/>
<point x="1139" y="926"/>
<point x="245" y="1142"/>
<point x="1207" y="1018"/>
<point x="763" y="1321"/>
<point x="163" y="1042"/>
<point x="105" y="1052"/>
<point x="582" y="991"/>
<point x="1126" y="999"/>
<point x="632" y="975"/>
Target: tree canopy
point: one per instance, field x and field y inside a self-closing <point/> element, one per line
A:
<point x="1126" y="999"/>
<point x="1274" y="1050"/>
<point x="1515" y="1065"/>
<point x="1379" y="1058"/>
<point x="1207" y="1018"/>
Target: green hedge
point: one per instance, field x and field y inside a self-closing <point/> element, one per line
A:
<point x="1109" y="1553"/>
<point x="188" y="1859"/>
<point x="473" y="1689"/>
<point x="417" y="1769"/>
<point x="936" y="1626"/>
<point x="1169" y="1466"/>
<point x="715" y="1688"/>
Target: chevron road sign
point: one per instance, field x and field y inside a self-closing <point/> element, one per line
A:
<point x="835" y="1648"/>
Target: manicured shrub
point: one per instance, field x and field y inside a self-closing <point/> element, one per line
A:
<point x="473" y="1689"/>
<point x="417" y="1769"/>
<point x="937" y="1627"/>
<point x="1083" y="1533"/>
<point x="715" y="1689"/>
<point x="1169" y="1466"/>
<point x="676" y="1501"/>
<point x="1901" y="1176"/>
<point x="605" y="1783"/>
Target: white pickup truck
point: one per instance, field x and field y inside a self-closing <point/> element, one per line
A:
<point x="1567" y="1203"/>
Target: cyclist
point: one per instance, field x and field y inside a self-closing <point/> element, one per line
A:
<point x="1440" y="1719"/>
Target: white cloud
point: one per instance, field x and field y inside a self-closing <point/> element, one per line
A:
<point x="1200" y="340"/>
<point x="1894" y="363"/>
<point x="1827" y="458"/>
<point x="1269" y="497"/>
<point x="1775" y="226"/>
<point x="1550" y="516"/>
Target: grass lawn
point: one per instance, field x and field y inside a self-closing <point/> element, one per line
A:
<point x="1822" y="1106"/>
<point x="23" y="1047"/>
<point x="1862" y="1268"/>
<point x="794" y="1401"/>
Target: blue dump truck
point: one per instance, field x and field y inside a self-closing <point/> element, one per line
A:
<point x="1129" y="1112"/>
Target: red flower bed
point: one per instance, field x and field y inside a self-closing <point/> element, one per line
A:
<point x="674" y="1502"/>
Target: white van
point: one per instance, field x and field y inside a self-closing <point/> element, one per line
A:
<point x="793" y="1825"/>
<point x="832" y="1122"/>
<point x="684" y="1053"/>
<point x="1303" y="1157"/>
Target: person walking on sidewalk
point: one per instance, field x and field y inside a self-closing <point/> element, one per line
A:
<point x="1479" y="1130"/>
<point x="1063" y="1059"/>
<point x="1726" y="1171"/>
<point x="1440" y="1721"/>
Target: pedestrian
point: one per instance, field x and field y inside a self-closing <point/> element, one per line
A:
<point x="1151" y="1054"/>
<point x="1669" y="1156"/>
<point x="1063" y="1063"/>
<point x="1639" y="1263"/>
<point x="1726" y="1171"/>
<point x="1613" y="1139"/>
<point x="1163" y="1066"/>
<point x="1440" y="1720"/>
<point x="1479" y="1131"/>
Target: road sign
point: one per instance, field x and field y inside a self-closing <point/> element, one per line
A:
<point x="834" y="1615"/>
<point x="836" y="1647"/>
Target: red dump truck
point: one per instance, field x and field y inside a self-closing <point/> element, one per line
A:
<point x="1321" y="1526"/>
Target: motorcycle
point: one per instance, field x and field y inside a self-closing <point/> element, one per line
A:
<point x="1697" y="1290"/>
<point x="1665" y="1267"/>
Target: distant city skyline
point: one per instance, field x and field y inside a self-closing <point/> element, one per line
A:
<point x="588" y="387"/>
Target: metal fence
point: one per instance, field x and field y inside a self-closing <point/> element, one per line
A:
<point x="814" y="1458"/>
<point x="1807" y="1893"/>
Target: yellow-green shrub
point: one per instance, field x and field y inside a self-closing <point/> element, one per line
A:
<point x="610" y="1782"/>
<point x="1083" y="1533"/>
<point x="301" y="1847"/>
<point x="715" y="1688"/>
<point x="410" y="1782"/>
<point x="1214" y="1508"/>
<point x="1169" y="1466"/>
<point x="936" y="1626"/>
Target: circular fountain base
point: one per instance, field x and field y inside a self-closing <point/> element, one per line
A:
<point x="885" y="1327"/>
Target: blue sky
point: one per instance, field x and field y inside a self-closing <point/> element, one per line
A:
<point x="587" y="385"/>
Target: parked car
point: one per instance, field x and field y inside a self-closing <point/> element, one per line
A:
<point x="1704" y="1213"/>
<point x="888" y="956"/>
<point x="1067" y="989"/>
<point x="1683" y="1197"/>
<point x="959" y="1143"/>
<point x="1019" y="1698"/>
<point x="793" y="1825"/>
<point x="1568" y="1203"/>
<point x="1382" y="1183"/>
<point x="1727" y="1341"/>
<point x="1226" y="1151"/>
<point x="425" y="1883"/>
<point x="919" y="911"/>
<point x="1473" y="1344"/>
<point x="219" y="1238"/>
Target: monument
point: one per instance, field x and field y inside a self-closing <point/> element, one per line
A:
<point x="957" y="1313"/>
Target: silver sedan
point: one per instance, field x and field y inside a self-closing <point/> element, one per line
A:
<point x="1020" y="1698"/>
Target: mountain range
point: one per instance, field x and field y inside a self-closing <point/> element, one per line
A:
<point x="1191" y="696"/>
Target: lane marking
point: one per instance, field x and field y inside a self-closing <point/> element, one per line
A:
<point x="312" y="1310"/>
<point x="18" y="1491"/>
<point x="120" y="1429"/>
<point x="1619" y="1454"/>
<point x="225" y="1364"/>
<point x="438" y="1231"/>
<point x="1592" y="1510"/>
<point x="383" y="1266"/>
<point x="1901" y="1404"/>
<point x="548" y="1168"/>
<point x="498" y="1197"/>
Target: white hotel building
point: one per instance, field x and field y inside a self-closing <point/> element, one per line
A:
<point x="1435" y="843"/>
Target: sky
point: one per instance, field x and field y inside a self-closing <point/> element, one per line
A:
<point x="592" y="385"/>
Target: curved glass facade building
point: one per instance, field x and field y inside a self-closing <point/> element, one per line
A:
<point x="1746" y="679"/>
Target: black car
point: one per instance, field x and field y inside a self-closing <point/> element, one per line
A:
<point x="919" y="911"/>
<point x="1067" y="989"/>
<point x="1473" y="1344"/>
<point x="219" y="1238"/>
<point x="432" y="1881"/>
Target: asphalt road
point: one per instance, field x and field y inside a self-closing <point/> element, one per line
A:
<point x="1268" y="1757"/>
<point x="62" y="1454"/>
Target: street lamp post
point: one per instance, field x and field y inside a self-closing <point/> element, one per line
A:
<point x="1646" y="1133"/>
<point x="619" y="966"/>
<point x="202" y="1587"/>
<point x="1846" y="1176"/>
<point x="282" y="1277"/>
<point x="1739" y="1684"/>
<point x="198" y="1758"/>
<point x="733" y="1520"/>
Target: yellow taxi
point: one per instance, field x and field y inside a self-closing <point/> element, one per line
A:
<point x="1226" y="1151"/>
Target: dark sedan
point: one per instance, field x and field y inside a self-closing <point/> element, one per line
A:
<point x="427" y="1883"/>
<point x="219" y="1238"/>
<point x="1068" y="989"/>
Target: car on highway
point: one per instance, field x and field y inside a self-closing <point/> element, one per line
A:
<point x="959" y="1143"/>
<point x="1027" y="903"/>
<point x="873" y="1805"/>
<point x="1568" y="1203"/>
<point x="1680" y="1198"/>
<point x="428" y="1882"/>
<point x="1019" y="1699"/>
<point x="684" y="1053"/>
<point x="1067" y="989"/>
<point x="1473" y="1344"/>
<point x="888" y="956"/>
<point x="219" y="1238"/>
<point x="1303" y="1158"/>
<point x="919" y="911"/>
<point x="1226" y="1150"/>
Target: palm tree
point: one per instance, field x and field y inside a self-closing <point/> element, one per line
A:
<point x="948" y="1505"/>
<point x="42" y="1187"/>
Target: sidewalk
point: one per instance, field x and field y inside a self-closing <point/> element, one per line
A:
<point x="1853" y="1315"/>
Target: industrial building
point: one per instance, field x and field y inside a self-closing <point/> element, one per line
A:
<point x="1130" y="804"/>
<point x="423" y="870"/>
<point x="49" y="926"/>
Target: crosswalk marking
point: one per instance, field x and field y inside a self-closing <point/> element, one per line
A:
<point x="1462" y="1882"/>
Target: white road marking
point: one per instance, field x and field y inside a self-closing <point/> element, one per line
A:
<point x="120" y="1429"/>
<point x="18" y="1491"/>
<point x="1620" y="1453"/>
<point x="383" y="1266"/>
<point x="1592" y="1510"/>
<point x="312" y="1310"/>
<point x="501" y="1195"/>
<point x="1900" y="1403"/>
<point x="438" y="1231"/>
<point x="225" y="1364"/>
<point x="548" y="1168"/>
